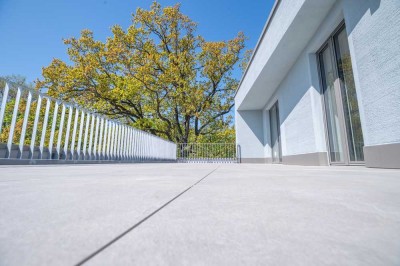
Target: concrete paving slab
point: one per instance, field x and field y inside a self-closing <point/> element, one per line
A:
<point x="57" y="215"/>
<point x="238" y="215"/>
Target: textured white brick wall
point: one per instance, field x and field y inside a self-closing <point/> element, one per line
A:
<point x="296" y="112"/>
<point x="249" y="133"/>
<point x="374" y="28"/>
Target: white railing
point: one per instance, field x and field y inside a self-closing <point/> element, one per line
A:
<point x="55" y="130"/>
<point x="207" y="153"/>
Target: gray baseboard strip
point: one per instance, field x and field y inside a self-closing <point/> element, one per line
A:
<point x="382" y="156"/>
<point x="307" y="159"/>
<point x="254" y="160"/>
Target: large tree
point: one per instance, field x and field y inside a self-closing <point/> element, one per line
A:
<point x="158" y="75"/>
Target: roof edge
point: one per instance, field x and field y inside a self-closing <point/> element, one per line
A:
<point x="266" y="26"/>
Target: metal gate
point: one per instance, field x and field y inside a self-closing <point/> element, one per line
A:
<point x="207" y="153"/>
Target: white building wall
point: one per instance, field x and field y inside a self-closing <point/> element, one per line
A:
<point x="300" y="111"/>
<point x="373" y="28"/>
<point x="374" y="36"/>
<point x="249" y="135"/>
<point x="300" y="99"/>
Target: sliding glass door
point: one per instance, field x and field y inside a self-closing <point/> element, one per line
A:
<point x="331" y="98"/>
<point x="342" y="114"/>
<point x="349" y="97"/>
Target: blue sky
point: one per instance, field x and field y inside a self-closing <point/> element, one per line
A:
<point x="32" y="30"/>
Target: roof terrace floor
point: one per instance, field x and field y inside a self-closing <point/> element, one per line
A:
<point x="203" y="214"/>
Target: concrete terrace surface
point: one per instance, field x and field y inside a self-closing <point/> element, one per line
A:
<point x="199" y="214"/>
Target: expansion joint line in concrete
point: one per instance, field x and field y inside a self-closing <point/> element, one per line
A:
<point x="141" y="221"/>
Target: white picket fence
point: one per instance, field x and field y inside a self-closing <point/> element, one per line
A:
<point x="74" y="134"/>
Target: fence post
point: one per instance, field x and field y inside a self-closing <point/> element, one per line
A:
<point x="46" y="118"/>
<point x="78" y="148"/>
<point x="110" y="128"/>
<point x="104" y="144"/>
<point x="24" y="124"/>
<point x="13" y="121"/>
<point x="67" y="133"/>
<point x="72" y="147"/>
<point x="35" y="125"/>
<point x="98" y="154"/>
<point x="53" y="129"/>
<point x="60" y="131"/>
<point x="86" y="136"/>
<point x="96" y="135"/>
<point x="91" y="136"/>
<point x="112" y="151"/>
<point x="3" y="105"/>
